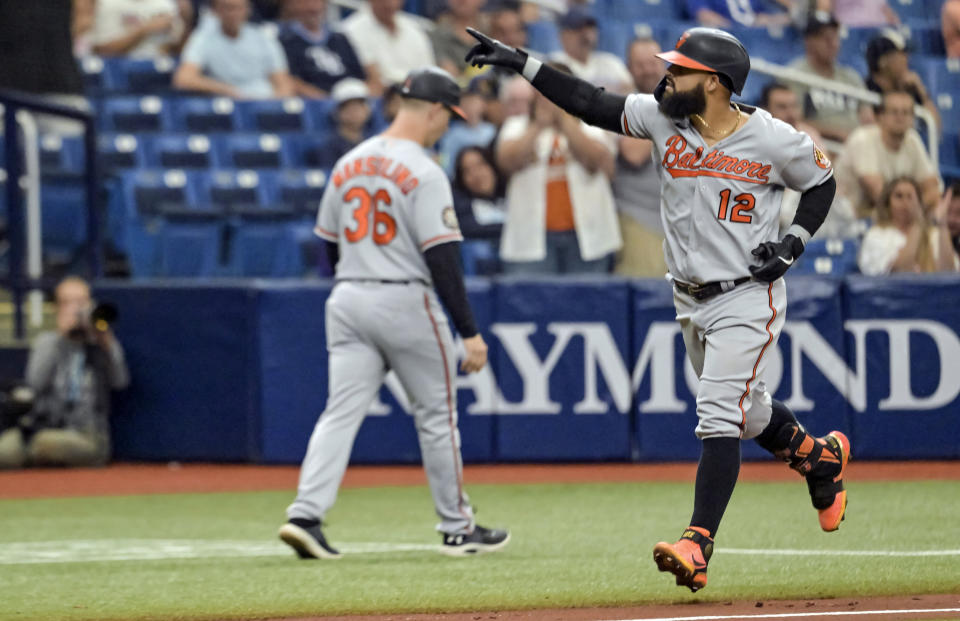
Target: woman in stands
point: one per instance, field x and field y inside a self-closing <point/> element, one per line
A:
<point x="902" y="239"/>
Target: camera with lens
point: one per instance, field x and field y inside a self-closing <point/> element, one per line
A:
<point x="99" y="320"/>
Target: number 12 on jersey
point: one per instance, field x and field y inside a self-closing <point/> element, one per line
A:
<point x="383" y="225"/>
<point x="742" y="204"/>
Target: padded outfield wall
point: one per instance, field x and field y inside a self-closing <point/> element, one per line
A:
<point x="580" y="370"/>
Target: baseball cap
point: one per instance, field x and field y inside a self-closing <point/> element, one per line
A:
<point x="484" y="85"/>
<point x="349" y="89"/>
<point x="887" y="41"/>
<point x="577" y="18"/>
<point x="433" y="84"/>
<point x="819" y="20"/>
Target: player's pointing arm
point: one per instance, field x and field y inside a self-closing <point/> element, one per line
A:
<point x="578" y="97"/>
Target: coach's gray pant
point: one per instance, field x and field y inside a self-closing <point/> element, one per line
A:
<point x="372" y="328"/>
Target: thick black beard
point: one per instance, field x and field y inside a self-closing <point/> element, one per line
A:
<point x="678" y="105"/>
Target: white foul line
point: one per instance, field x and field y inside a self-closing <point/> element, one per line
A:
<point x="788" y="552"/>
<point x="794" y="615"/>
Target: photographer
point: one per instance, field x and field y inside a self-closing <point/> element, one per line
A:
<point x="71" y="372"/>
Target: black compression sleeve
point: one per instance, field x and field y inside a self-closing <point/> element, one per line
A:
<point x="443" y="260"/>
<point x="814" y="205"/>
<point x="333" y="253"/>
<point x="580" y="98"/>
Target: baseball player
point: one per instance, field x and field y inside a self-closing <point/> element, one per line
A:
<point x="723" y="168"/>
<point x="387" y="215"/>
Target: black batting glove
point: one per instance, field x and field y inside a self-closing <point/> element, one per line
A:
<point x="492" y="52"/>
<point x="776" y="257"/>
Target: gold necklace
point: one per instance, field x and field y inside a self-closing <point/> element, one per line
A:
<point x="730" y="131"/>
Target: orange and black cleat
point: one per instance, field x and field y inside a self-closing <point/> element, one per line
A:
<point x="825" y="482"/>
<point x="687" y="558"/>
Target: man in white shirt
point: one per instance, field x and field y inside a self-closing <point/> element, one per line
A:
<point x="578" y="35"/>
<point x="139" y="28"/>
<point x="233" y="58"/>
<point x="390" y="45"/>
<point x="874" y="155"/>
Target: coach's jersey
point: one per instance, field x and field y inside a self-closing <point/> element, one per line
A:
<point x="718" y="203"/>
<point x="386" y="202"/>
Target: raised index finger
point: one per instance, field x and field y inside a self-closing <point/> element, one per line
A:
<point x="479" y="36"/>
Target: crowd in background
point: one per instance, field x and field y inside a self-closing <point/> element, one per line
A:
<point x="546" y="192"/>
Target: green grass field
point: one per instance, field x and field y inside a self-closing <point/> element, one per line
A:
<point x="216" y="556"/>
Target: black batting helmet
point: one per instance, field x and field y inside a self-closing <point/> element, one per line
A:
<point x="433" y="84"/>
<point x="713" y="50"/>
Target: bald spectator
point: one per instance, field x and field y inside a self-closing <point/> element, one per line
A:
<point x="579" y="36"/>
<point x="874" y="155"/>
<point x="139" y="28"/>
<point x="390" y="44"/>
<point x="516" y="96"/>
<point x="233" y="58"/>
<point x="450" y="38"/>
<point x="834" y="115"/>
<point x="636" y="184"/>
<point x="888" y="61"/>
<point x="318" y="56"/>
<point x="950" y="23"/>
<point x="781" y="102"/>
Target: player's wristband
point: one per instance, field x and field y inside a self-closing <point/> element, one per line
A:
<point x="799" y="232"/>
<point x="531" y="67"/>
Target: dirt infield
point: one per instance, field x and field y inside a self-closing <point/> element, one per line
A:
<point x="123" y="479"/>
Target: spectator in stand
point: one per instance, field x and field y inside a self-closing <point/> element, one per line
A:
<point x="865" y="13"/>
<point x="887" y="60"/>
<point x="832" y="114"/>
<point x="875" y="155"/>
<point x="636" y="185"/>
<point x="474" y="131"/>
<point x="233" y="58"/>
<point x="781" y="102"/>
<point x="950" y="23"/>
<point x="516" y="97"/>
<point x="952" y="199"/>
<point x="561" y="216"/>
<point x="450" y="39"/>
<point x="390" y="44"/>
<point x="479" y="195"/>
<point x="390" y="102"/>
<point x="318" y="56"/>
<point x="902" y="238"/>
<point x="140" y="28"/>
<point x="488" y="85"/>
<point x="352" y="114"/>
<point x="726" y="13"/>
<point x="506" y="25"/>
<point x="579" y="35"/>
<point x="71" y="372"/>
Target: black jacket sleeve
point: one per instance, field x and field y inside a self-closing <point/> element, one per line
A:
<point x="814" y="205"/>
<point x="443" y="260"/>
<point x="333" y="253"/>
<point x="469" y="226"/>
<point x="580" y="98"/>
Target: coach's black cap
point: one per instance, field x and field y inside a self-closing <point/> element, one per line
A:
<point x="433" y="84"/>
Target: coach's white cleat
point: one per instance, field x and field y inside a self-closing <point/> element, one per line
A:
<point x="480" y="541"/>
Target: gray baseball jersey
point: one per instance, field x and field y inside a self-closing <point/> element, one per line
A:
<point x="719" y="202"/>
<point x="385" y="204"/>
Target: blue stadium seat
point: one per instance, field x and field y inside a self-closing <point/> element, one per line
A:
<point x="834" y="257"/>
<point x="479" y="257"/>
<point x="940" y="75"/>
<point x="273" y="115"/>
<point x="61" y="153"/>
<point x="238" y="190"/>
<point x="118" y="151"/>
<point x="301" y="190"/>
<point x="911" y="9"/>
<point x="321" y="114"/>
<point x="254" y="151"/>
<point x="543" y="36"/>
<point x="131" y="75"/>
<point x="182" y="151"/>
<point x="91" y="68"/>
<point x="190" y="246"/>
<point x="134" y="114"/>
<point x="927" y="38"/>
<point x="950" y="155"/>
<point x="261" y="246"/>
<point x="151" y="191"/>
<point x="63" y="213"/>
<point x="203" y="114"/>
<point x="853" y="48"/>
